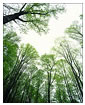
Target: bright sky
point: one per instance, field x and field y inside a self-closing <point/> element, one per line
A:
<point x="44" y="43"/>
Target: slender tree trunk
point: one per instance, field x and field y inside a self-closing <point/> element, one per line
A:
<point x="67" y="86"/>
<point x="37" y="93"/>
<point x="48" y="89"/>
<point x="77" y="79"/>
<point x="49" y="85"/>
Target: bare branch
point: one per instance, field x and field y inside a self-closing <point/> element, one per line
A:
<point x="23" y="7"/>
<point x="9" y="7"/>
<point x="24" y="20"/>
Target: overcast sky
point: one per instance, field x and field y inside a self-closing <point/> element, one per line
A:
<point x="44" y="43"/>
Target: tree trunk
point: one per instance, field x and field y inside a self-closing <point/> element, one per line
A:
<point x="49" y="84"/>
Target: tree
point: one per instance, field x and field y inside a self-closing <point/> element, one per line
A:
<point x="70" y="55"/>
<point x="35" y="16"/>
<point x="10" y="47"/>
<point x="75" y="32"/>
<point x="71" y="61"/>
<point x="48" y="63"/>
<point x="27" y="55"/>
<point x="65" y="83"/>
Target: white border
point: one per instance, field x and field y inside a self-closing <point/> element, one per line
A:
<point x="1" y="52"/>
<point x="1" y="41"/>
<point x="44" y="1"/>
<point x="84" y="53"/>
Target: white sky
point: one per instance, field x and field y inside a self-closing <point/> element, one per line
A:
<point x="44" y="43"/>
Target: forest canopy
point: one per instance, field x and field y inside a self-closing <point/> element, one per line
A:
<point x="28" y="77"/>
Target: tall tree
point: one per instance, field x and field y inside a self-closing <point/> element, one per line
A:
<point x="10" y="48"/>
<point x="27" y="55"/>
<point x="70" y="55"/>
<point x="48" y="63"/>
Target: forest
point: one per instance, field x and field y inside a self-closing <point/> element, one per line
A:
<point x="28" y="77"/>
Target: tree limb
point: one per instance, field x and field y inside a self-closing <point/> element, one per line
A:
<point x="14" y="16"/>
<point x="24" y="20"/>
<point x="23" y="7"/>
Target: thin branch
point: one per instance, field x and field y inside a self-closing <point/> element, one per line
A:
<point x="8" y="7"/>
<point x="23" y="7"/>
<point x="29" y="12"/>
<point x="24" y="20"/>
<point x="53" y="78"/>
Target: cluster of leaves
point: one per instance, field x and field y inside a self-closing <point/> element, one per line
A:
<point x="32" y="16"/>
<point x="10" y="48"/>
<point x="75" y="32"/>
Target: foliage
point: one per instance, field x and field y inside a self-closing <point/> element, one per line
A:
<point x="75" y="32"/>
<point x="10" y="47"/>
<point x="32" y="16"/>
<point x="49" y="78"/>
<point x="56" y="77"/>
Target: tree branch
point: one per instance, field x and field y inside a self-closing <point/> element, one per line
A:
<point x="24" y="20"/>
<point x="9" y="7"/>
<point x="53" y="77"/>
<point x="23" y="7"/>
<point x="14" y="16"/>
